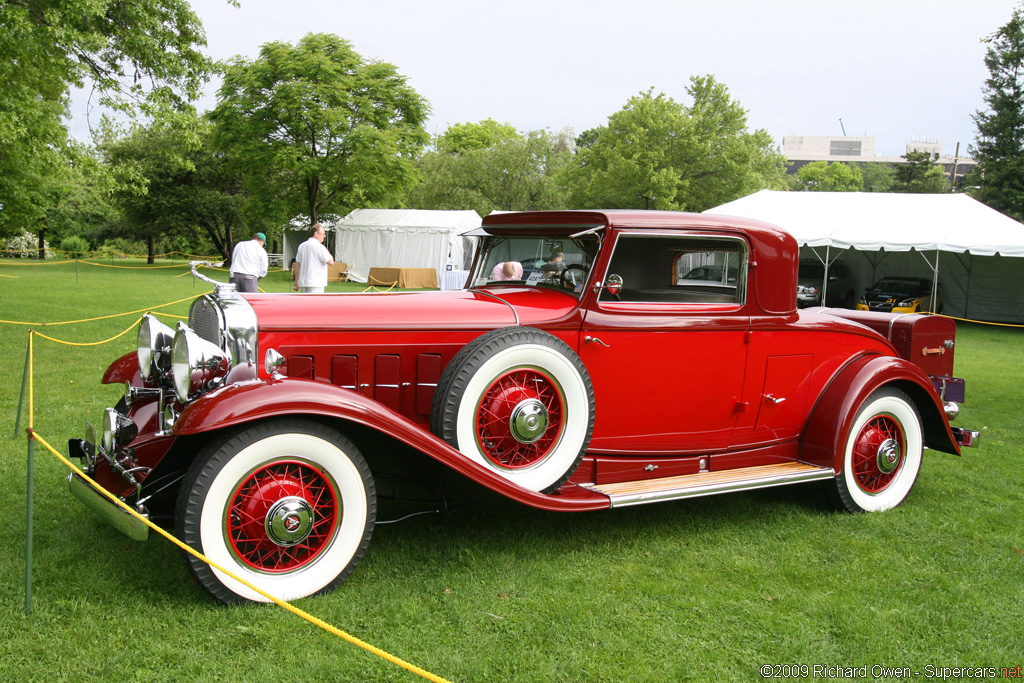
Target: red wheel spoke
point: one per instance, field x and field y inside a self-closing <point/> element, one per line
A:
<point x="881" y="435"/>
<point x="257" y="497"/>
<point x="498" y="407"/>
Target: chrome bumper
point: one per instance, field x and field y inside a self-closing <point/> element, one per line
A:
<point x="115" y="516"/>
<point x="966" y="437"/>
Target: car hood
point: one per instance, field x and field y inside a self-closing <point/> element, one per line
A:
<point x="873" y="294"/>
<point x="465" y="309"/>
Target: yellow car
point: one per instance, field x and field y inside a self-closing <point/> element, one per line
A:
<point x="900" y="295"/>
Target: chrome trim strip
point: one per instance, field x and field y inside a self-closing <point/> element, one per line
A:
<point x="498" y="298"/>
<point x="710" y="483"/>
<point x="107" y="510"/>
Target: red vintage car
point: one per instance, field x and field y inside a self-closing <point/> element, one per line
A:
<point x="268" y="427"/>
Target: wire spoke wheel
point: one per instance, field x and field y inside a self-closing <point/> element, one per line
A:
<point x="519" y="419"/>
<point x="882" y="453"/>
<point x="287" y="505"/>
<point x="282" y="516"/>
<point x="878" y="453"/>
<point x="518" y="401"/>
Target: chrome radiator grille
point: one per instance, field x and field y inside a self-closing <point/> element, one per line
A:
<point x="204" y="319"/>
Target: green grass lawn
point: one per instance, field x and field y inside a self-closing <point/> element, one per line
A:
<point x="704" y="589"/>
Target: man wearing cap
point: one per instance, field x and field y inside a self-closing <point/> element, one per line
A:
<point x="249" y="263"/>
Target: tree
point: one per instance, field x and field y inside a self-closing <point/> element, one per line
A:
<point x="656" y="153"/>
<point x="170" y="185"/>
<point x="138" y="56"/>
<point x="920" y="174"/>
<point x="878" y="176"/>
<point x="318" y="129"/>
<point x="821" y="176"/>
<point x="999" y="147"/>
<point x="513" y="173"/>
<point x="465" y="137"/>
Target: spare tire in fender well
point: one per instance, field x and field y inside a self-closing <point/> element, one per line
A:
<point x="519" y="401"/>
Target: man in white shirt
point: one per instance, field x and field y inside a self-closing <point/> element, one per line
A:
<point x="312" y="261"/>
<point x="249" y="263"/>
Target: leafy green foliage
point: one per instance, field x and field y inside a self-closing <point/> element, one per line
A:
<point x="878" y="177"/>
<point x="139" y="55"/>
<point x="173" y="184"/>
<point x="512" y="173"/>
<point x="74" y="246"/>
<point x="919" y="175"/>
<point x="821" y="176"/>
<point x="657" y="153"/>
<point x="465" y="137"/>
<point x="999" y="148"/>
<point x="319" y="128"/>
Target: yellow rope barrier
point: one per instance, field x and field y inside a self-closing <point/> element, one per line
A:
<point x="102" y="317"/>
<point x="980" y="322"/>
<point x="37" y="263"/>
<point x="61" y="341"/>
<point x="108" y="265"/>
<point x="278" y="601"/>
<point x="281" y="603"/>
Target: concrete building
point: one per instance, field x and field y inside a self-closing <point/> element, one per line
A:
<point x="801" y="150"/>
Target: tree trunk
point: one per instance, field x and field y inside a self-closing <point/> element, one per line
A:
<point x="151" y="243"/>
<point x="42" y="244"/>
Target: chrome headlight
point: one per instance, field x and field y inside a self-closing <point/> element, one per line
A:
<point x="154" y="349"/>
<point x="195" y="363"/>
<point x="118" y="430"/>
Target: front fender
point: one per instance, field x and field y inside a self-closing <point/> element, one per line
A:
<point x="243" y="402"/>
<point x="124" y="369"/>
<point x="824" y="436"/>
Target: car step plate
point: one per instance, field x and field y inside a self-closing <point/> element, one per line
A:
<point x="710" y="483"/>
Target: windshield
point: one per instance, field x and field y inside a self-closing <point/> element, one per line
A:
<point x="536" y="261"/>
<point x="901" y="287"/>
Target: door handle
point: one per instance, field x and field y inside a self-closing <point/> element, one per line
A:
<point x="594" y="340"/>
<point x="773" y="399"/>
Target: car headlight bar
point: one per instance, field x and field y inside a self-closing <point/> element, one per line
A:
<point x="154" y="348"/>
<point x="196" y="364"/>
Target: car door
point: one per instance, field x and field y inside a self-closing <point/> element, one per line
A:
<point x="667" y="353"/>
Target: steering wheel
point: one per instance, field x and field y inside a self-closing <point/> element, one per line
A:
<point x="574" y="275"/>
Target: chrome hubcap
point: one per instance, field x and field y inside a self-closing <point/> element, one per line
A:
<point x="529" y="421"/>
<point x="289" y="521"/>
<point x="889" y="455"/>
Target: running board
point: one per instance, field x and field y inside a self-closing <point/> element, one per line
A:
<point x="709" y="483"/>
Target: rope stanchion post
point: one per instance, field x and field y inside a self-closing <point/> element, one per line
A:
<point x="24" y="384"/>
<point x="29" y="486"/>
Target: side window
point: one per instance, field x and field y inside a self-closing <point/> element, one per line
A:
<point x="699" y="270"/>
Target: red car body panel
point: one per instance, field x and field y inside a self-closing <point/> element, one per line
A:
<point x="679" y="387"/>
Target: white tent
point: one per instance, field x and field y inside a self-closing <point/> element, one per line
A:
<point x="404" y="238"/>
<point x="983" y="280"/>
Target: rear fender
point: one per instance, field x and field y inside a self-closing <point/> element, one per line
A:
<point x="822" y="442"/>
<point x="237" y="404"/>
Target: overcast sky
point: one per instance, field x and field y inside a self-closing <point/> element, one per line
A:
<point x="893" y="69"/>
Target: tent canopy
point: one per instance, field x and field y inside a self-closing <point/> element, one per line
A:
<point x="978" y="281"/>
<point x="404" y="238"/>
<point x="871" y="221"/>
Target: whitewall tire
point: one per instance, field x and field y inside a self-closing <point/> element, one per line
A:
<point x="882" y="453"/>
<point x="518" y="401"/>
<point x="287" y="505"/>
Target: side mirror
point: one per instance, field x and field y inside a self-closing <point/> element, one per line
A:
<point x="613" y="285"/>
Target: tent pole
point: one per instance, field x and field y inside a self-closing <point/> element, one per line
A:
<point x="935" y="277"/>
<point x="824" y="282"/>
